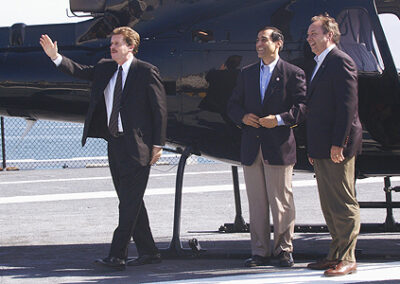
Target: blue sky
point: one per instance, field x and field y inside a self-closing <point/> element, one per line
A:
<point x="32" y="12"/>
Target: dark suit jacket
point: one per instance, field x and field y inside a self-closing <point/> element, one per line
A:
<point x="332" y="108"/>
<point x="143" y="107"/>
<point x="285" y="95"/>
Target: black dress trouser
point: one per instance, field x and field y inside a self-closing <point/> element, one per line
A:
<point x="130" y="181"/>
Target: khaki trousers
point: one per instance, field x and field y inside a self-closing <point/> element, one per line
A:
<point x="339" y="205"/>
<point x="269" y="185"/>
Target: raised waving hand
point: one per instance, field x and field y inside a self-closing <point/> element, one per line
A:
<point x="50" y="48"/>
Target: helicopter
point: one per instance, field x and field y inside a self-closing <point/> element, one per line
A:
<point x="199" y="47"/>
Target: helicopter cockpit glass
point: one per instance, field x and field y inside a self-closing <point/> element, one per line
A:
<point x="357" y="40"/>
<point x="391" y="26"/>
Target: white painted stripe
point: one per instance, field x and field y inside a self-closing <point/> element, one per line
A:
<point x="57" y="197"/>
<point x="295" y="183"/>
<point x="193" y="173"/>
<point x="101" y="178"/>
<point x="109" y="194"/>
<point x="375" y="180"/>
<point x="313" y="182"/>
<point x="52" y="180"/>
<point x="149" y="192"/>
<point x="366" y="272"/>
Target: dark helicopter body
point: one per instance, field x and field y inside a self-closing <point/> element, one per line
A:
<point x="189" y="40"/>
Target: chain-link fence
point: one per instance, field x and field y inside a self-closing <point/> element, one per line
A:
<point x="49" y="144"/>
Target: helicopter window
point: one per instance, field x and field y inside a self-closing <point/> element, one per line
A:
<point x="391" y="27"/>
<point x="357" y="40"/>
<point x="17" y="35"/>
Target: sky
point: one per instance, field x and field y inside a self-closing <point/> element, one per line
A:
<point x="34" y="12"/>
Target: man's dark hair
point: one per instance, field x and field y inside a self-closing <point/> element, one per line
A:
<point x="276" y="34"/>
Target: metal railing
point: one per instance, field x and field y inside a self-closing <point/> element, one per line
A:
<point x="28" y="144"/>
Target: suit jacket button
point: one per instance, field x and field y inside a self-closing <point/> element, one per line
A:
<point x="258" y="136"/>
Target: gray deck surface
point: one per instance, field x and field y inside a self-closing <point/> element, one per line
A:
<point x="55" y="223"/>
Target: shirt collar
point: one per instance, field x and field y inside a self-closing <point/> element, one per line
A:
<point x="321" y="57"/>
<point x="270" y="66"/>
<point x="127" y="65"/>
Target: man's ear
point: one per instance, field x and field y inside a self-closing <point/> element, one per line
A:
<point x="280" y="44"/>
<point x="330" y="35"/>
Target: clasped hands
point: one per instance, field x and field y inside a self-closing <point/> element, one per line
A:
<point x="253" y="120"/>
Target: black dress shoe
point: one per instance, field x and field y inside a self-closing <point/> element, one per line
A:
<point x="144" y="259"/>
<point x="114" y="263"/>
<point x="286" y="259"/>
<point x="256" y="260"/>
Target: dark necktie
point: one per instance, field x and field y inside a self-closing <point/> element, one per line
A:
<point x="113" y="124"/>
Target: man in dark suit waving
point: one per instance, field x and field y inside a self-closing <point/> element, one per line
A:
<point x="127" y="108"/>
<point x="334" y="139"/>
<point x="268" y="99"/>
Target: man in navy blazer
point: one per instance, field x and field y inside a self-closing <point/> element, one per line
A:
<point x="334" y="139"/>
<point x="127" y="108"/>
<point x="266" y="103"/>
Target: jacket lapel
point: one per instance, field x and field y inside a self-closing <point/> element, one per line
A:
<point x="320" y="73"/>
<point x="109" y="71"/>
<point x="130" y="78"/>
<point x="254" y="78"/>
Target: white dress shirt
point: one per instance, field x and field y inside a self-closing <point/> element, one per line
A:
<point x="109" y="91"/>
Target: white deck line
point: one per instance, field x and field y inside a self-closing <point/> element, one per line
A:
<point x="366" y="272"/>
<point x="150" y="191"/>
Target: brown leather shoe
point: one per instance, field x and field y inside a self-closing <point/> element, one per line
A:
<point x="322" y="264"/>
<point x="342" y="268"/>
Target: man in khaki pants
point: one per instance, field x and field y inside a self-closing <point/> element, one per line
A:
<point x="268" y="99"/>
<point x="334" y="136"/>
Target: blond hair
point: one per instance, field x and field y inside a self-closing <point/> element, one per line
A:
<point x="131" y="37"/>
